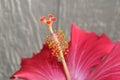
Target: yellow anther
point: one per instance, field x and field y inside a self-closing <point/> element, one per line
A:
<point x="55" y="46"/>
<point x="60" y="31"/>
<point x="55" y="31"/>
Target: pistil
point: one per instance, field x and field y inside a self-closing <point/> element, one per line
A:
<point x="59" y="50"/>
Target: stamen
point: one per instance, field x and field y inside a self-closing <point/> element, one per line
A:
<point x="53" y="45"/>
<point x="57" y="43"/>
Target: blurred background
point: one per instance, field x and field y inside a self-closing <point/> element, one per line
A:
<point x="21" y="33"/>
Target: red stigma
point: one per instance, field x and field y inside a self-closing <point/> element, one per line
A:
<point x="43" y="18"/>
<point x="48" y="22"/>
<point x="54" y="19"/>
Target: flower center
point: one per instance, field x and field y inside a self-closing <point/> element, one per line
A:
<point x="57" y="43"/>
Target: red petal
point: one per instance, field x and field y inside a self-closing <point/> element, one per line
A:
<point x="42" y="66"/>
<point x="86" y="51"/>
<point x="110" y="69"/>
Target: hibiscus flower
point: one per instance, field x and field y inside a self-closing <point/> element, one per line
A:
<point x="86" y="57"/>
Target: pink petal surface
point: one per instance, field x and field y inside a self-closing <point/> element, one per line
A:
<point x="42" y="66"/>
<point x="86" y="50"/>
<point x="110" y="69"/>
